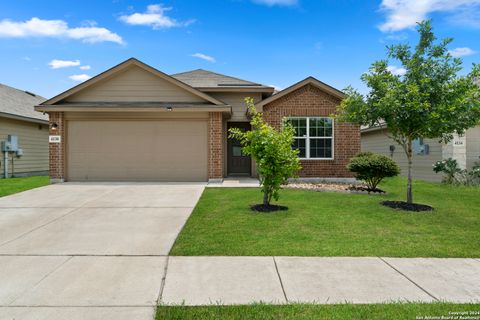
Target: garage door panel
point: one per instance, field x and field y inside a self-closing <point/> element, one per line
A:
<point x="137" y="150"/>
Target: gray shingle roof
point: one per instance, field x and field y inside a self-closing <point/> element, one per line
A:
<point x="207" y="79"/>
<point x="20" y="103"/>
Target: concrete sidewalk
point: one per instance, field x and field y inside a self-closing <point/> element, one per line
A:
<point x="243" y="280"/>
<point x="129" y="287"/>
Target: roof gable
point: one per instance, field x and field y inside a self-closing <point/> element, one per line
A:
<point x="132" y="75"/>
<point x="308" y="81"/>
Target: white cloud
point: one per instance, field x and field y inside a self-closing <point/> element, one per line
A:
<point x="277" y="2"/>
<point x="398" y="71"/>
<point x="79" y="77"/>
<point x="204" y="57"/>
<point x="154" y="17"/>
<point x="36" y="27"/>
<point x="404" y="14"/>
<point x="85" y="67"/>
<point x="57" y="64"/>
<point x="461" y="52"/>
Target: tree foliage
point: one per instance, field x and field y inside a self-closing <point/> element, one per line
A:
<point x="272" y="151"/>
<point x="430" y="100"/>
<point x="373" y="168"/>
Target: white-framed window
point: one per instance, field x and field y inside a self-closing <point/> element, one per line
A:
<point x="313" y="137"/>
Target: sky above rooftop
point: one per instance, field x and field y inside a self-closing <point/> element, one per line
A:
<point x="50" y="46"/>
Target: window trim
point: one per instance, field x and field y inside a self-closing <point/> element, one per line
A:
<point x="307" y="137"/>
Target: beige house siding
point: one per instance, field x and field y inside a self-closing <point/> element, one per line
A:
<point x="377" y="142"/>
<point x="237" y="101"/>
<point x="134" y="84"/>
<point x="33" y="139"/>
<point x="473" y="146"/>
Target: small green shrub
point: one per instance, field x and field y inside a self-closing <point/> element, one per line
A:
<point x="372" y="168"/>
<point x="455" y="175"/>
<point x="272" y="151"/>
<point x="449" y="167"/>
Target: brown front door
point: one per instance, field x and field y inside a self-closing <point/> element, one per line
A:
<point x="238" y="162"/>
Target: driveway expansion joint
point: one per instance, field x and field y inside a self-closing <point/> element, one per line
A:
<point x="409" y="279"/>
<point x="41" y="226"/>
<point x="280" y="279"/>
<point x="162" y="283"/>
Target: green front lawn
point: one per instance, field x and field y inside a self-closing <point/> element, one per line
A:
<point x="410" y="311"/>
<point x="335" y="224"/>
<point x="15" y="185"/>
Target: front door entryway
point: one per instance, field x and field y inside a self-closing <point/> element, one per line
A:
<point x="238" y="163"/>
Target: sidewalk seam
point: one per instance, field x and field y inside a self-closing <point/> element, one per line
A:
<point x="406" y="277"/>
<point x="280" y="279"/>
<point x="162" y="284"/>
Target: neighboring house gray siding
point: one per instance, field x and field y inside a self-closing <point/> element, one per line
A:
<point x="18" y="117"/>
<point x="33" y="140"/>
<point x="473" y="146"/>
<point x="377" y="141"/>
<point x="466" y="153"/>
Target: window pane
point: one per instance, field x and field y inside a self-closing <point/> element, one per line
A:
<point x="320" y="127"/>
<point x="328" y="132"/>
<point x="300" y="144"/>
<point x="300" y="126"/>
<point x="321" y="148"/>
<point x="237" y="151"/>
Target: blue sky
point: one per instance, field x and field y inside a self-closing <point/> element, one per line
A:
<point x="49" y="46"/>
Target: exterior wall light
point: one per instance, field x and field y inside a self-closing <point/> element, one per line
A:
<point x="54" y="126"/>
<point x="169" y="108"/>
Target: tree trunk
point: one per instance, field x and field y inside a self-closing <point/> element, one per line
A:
<point x="265" y="198"/>
<point x="409" y="184"/>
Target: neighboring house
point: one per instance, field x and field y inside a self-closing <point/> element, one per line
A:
<point x="465" y="149"/>
<point x="19" y="119"/>
<point x="136" y="123"/>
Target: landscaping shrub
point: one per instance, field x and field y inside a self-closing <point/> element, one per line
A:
<point x="273" y="153"/>
<point x="372" y="168"/>
<point x="449" y="167"/>
<point x="453" y="174"/>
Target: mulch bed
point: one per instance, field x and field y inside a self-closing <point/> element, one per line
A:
<point x="365" y="189"/>
<point x="402" y="205"/>
<point x="269" y="208"/>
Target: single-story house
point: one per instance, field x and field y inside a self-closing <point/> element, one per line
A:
<point x="136" y="123"/>
<point x="23" y="134"/>
<point x="465" y="149"/>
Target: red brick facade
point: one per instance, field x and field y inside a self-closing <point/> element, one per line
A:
<point x="311" y="101"/>
<point x="215" y="145"/>
<point x="57" y="150"/>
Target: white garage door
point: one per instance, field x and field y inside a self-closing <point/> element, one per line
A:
<point x="168" y="150"/>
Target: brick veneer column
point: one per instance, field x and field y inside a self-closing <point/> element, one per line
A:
<point x="215" y="146"/>
<point x="57" y="150"/>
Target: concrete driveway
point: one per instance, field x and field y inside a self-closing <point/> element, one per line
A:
<point x="89" y="250"/>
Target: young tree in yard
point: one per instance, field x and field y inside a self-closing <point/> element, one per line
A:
<point x="429" y="100"/>
<point x="272" y="151"/>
